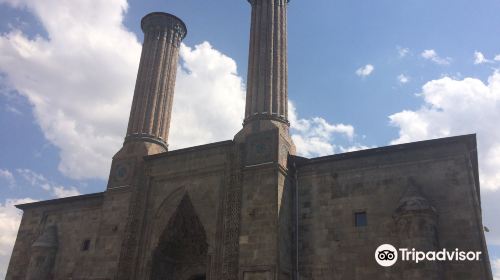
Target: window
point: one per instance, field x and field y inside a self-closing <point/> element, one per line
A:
<point x="360" y="219"/>
<point x="86" y="245"/>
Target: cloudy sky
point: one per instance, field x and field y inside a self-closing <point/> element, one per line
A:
<point x="362" y="74"/>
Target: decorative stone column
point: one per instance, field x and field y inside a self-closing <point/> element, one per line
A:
<point x="43" y="255"/>
<point x="154" y="90"/>
<point x="417" y="227"/>
<point x="267" y="81"/>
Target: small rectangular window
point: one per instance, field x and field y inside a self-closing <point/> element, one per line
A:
<point x="360" y="219"/>
<point x="86" y="245"/>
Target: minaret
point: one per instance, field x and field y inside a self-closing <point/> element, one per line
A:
<point x="267" y="188"/>
<point x="154" y="89"/>
<point x="147" y="134"/>
<point x="151" y="110"/>
<point x="267" y="91"/>
<point x="267" y="80"/>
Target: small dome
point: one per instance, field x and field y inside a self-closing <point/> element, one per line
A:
<point x="414" y="201"/>
<point x="48" y="238"/>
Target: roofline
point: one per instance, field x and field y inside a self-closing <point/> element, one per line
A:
<point x="59" y="200"/>
<point x="189" y="149"/>
<point x="468" y="138"/>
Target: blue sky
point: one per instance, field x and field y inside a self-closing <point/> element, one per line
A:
<point x="361" y="74"/>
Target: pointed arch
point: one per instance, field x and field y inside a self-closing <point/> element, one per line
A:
<point x="181" y="253"/>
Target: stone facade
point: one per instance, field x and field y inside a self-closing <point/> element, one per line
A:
<point x="249" y="208"/>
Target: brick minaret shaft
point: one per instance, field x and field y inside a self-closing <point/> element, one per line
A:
<point x="267" y="81"/>
<point x="266" y="225"/>
<point x="154" y="90"/>
<point x="147" y="133"/>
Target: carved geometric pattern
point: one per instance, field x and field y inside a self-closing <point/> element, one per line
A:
<point x="231" y="232"/>
<point x="121" y="173"/>
<point x="261" y="148"/>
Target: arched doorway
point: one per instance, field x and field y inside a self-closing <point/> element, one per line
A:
<point x="181" y="253"/>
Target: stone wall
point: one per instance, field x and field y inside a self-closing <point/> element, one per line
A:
<point x="98" y="219"/>
<point x="332" y="189"/>
<point x="111" y="232"/>
<point x="199" y="173"/>
<point x="204" y="188"/>
<point x="77" y="219"/>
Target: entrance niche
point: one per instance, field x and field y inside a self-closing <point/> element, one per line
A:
<point x="181" y="253"/>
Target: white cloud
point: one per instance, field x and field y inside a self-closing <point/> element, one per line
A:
<point x="479" y="58"/>
<point x="354" y="147"/>
<point x="209" y="100"/>
<point x="497" y="57"/>
<point x="496" y="269"/>
<point x="403" y="51"/>
<point x="10" y="218"/>
<point x="60" y="191"/>
<point x="403" y="79"/>
<point x="79" y="79"/>
<point x="13" y="110"/>
<point x="7" y="177"/>
<point x="32" y="177"/>
<point x="434" y="57"/>
<point x="85" y="114"/>
<point x="429" y="54"/>
<point x="81" y="83"/>
<point x="317" y="137"/>
<point x="490" y="207"/>
<point x="365" y="71"/>
<point x="38" y="180"/>
<point x="456" y="107"/>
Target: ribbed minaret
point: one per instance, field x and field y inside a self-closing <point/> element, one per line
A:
<point x="267" y="81"/>
<point x="154" y="89"/>
<point x="265" y="245"/>
<point x="149" y="121"/>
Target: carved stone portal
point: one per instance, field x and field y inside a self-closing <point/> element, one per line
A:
<point x="181" y="253"/>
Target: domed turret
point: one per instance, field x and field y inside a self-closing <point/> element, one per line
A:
<point x="43" y="255"/>
<point x="48" y="239"/>
<point x="414" y="202"/>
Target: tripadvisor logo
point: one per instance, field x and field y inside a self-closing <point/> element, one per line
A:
<point x="387" y="255"/>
